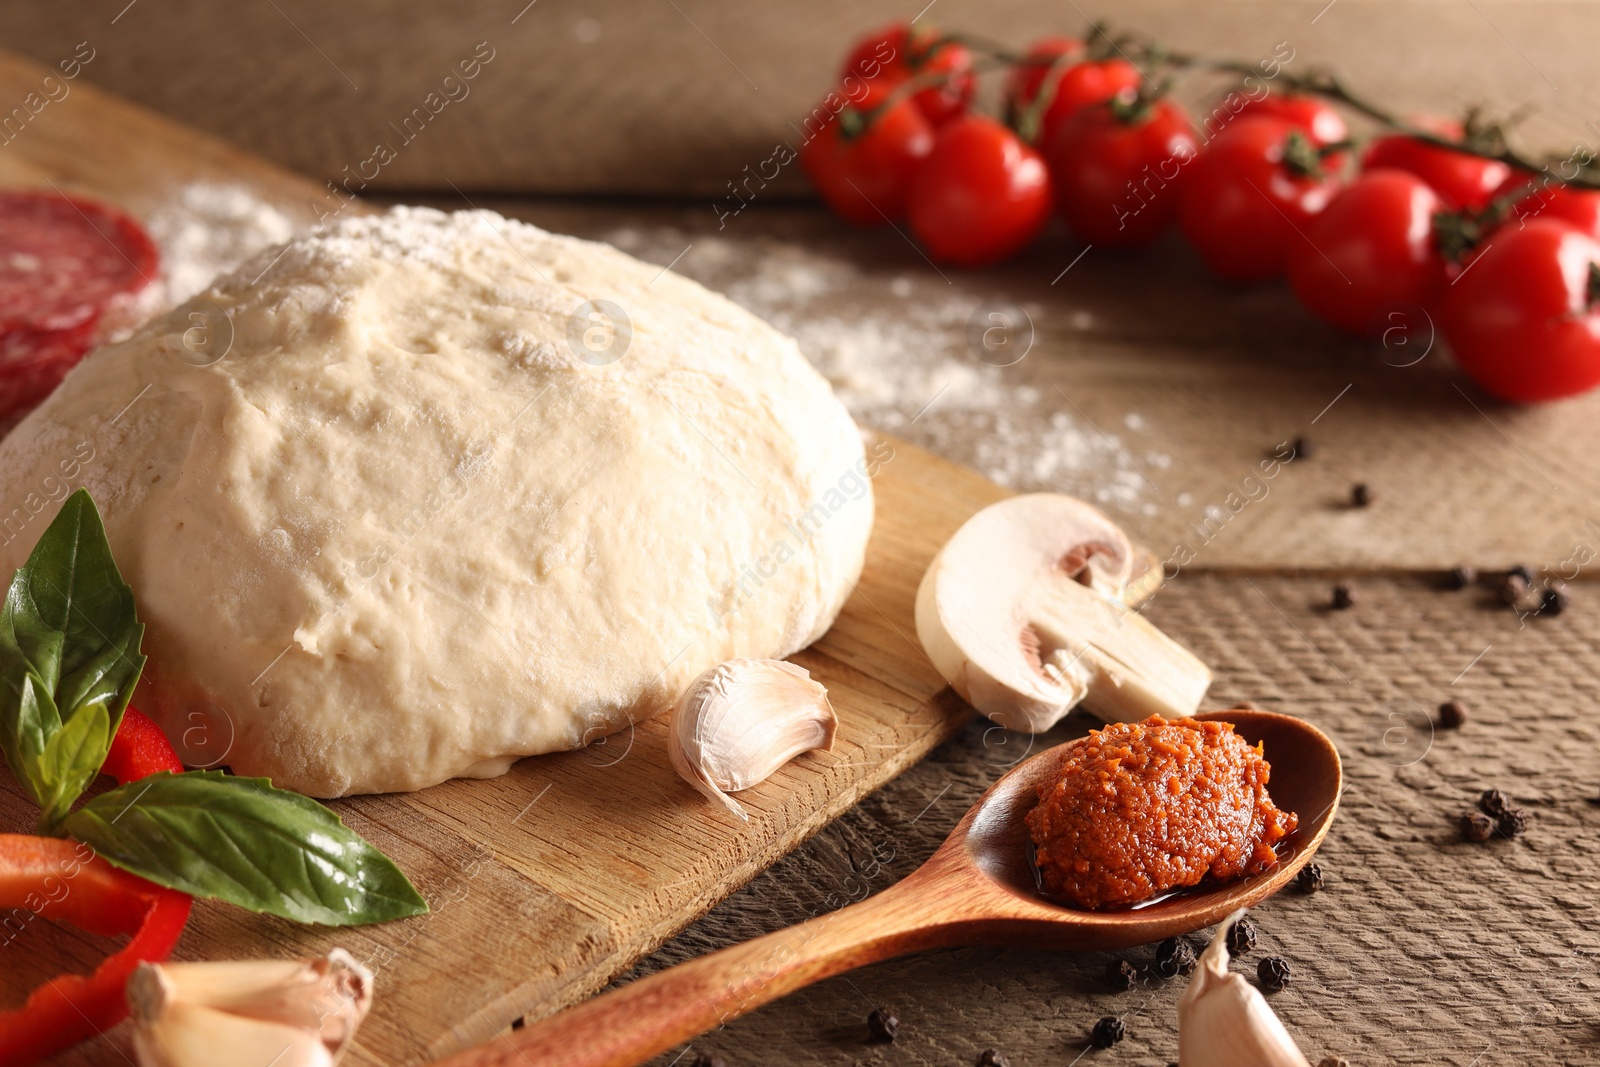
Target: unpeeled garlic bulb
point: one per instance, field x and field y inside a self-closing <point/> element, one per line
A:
<point x="1224" y="1021"/>
<point x="743" y="719"/>
<point x="290" y="1013"/>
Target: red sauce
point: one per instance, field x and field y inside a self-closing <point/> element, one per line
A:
<point x="1141" y="808"/>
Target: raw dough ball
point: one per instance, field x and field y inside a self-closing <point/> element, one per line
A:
<point x="421" y="520"/>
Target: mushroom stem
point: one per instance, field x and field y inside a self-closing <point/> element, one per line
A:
<point x="1021" y="612"/>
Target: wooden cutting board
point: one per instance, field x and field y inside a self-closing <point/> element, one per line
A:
<point x="545" y="883"/>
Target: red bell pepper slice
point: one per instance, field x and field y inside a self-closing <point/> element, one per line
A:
<point x="140" y="748"/>
<point x="62" y="880"/>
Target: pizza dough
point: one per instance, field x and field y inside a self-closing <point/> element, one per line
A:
<point x="459" y="491"/>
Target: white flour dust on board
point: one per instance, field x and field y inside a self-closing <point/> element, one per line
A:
<point x="897" y="353"/>
<point x="207" y="229"/>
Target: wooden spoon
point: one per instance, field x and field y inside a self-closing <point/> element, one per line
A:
<point x="977" y="889"/>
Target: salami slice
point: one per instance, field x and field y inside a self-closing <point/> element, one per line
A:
<point x="63" y="260"/>
<point x="33" y="362"/>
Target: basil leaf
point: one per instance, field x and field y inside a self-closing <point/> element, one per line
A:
<point x="212" y="834"/>
<point x="69" y="647"/>
<point x="106" y="677"/>
<point x="69" y="613"/>
<point x="27" y="731"/>
<point x="71" y="760"/>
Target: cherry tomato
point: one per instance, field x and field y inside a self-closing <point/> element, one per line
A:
<point x="1022" y="83"/>
<point x="1114" y="166"/>
<point x="1320" y="121"/>
<point x="981" y="196"/>
<point x="1462" y="180"/>
<point x="1076" y="87"/>
<point x="1244" y="206"/>
<point x="862" y="163"/>
<point x="899" y="51"/>
<point x="1370" y="250"/>
<point x="1548" y="199"/>
<point x="1523" y="320"/>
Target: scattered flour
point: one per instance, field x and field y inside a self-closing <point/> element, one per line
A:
<point x="895" y="349"/>
<point x="897" y="353"/>
<point x="208" y="229"/>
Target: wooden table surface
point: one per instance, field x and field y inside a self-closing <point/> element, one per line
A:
<point x="1151" y="389"/>
<point x="1147" y="382"/>
<point x="673" y="97"/>
<point x="1423" y="949"/>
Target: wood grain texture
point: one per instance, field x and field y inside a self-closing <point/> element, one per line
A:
<point x="547" y="881"/>
<point x="1153" y="391"/>
<point x="93" y="142"/>
<point x="1145" y="375"/>
<point x="979" y="888"/>
<point x="1423" y="950"/>
<point x="658" y="97"/>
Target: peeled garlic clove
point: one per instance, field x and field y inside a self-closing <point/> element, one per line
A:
<point x="303" y="1012"/>
<point x="190" y="1035"/>
<point x="741" y="720"/>
<point x="1224" y="1021"/>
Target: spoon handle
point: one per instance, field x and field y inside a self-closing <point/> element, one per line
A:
<point x="628" y="1025"/>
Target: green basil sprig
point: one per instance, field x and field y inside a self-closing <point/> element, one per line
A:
<point x="211" y="834"/>
<point x="69" y="661"/>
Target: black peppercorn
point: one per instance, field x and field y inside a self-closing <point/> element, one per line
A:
<point x="1241" y="937"/>
<point x="1343" y="596"/>
<point x="1334" y="1061"/>
<point x="1514" y="590"/>
<point x="1521" y="571"/>
<point x="1461" y="577"/>
<point x="1476" y="826"/>
<point x="882" y="1025"/>
<point x="1122" y="975"/>
<point x="1107" y="1032"/>
<point x="1360" y="495"/>
<point x="1494" y="802"/>
<point x="1452" y="715"/>
<point x="1309" y="878"/>
<point x="991" y="1058"/>
<point x="709" y="1059"/>
<point x="1174" y="956"/>
<point x="1273" y="973"/>
<point x="1554" y="599"/>
<point x="1513" y="822"/>
<point x="1302" y="447"/>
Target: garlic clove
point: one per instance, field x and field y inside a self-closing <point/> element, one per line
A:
<point x="191" y="1035"/>
<point x="743" y="719"/>
<point x="305" y="1012"/>
<point x="1224" y="1021"/>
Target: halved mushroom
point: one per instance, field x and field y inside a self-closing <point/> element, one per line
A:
<point x="1020" y="613"/>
